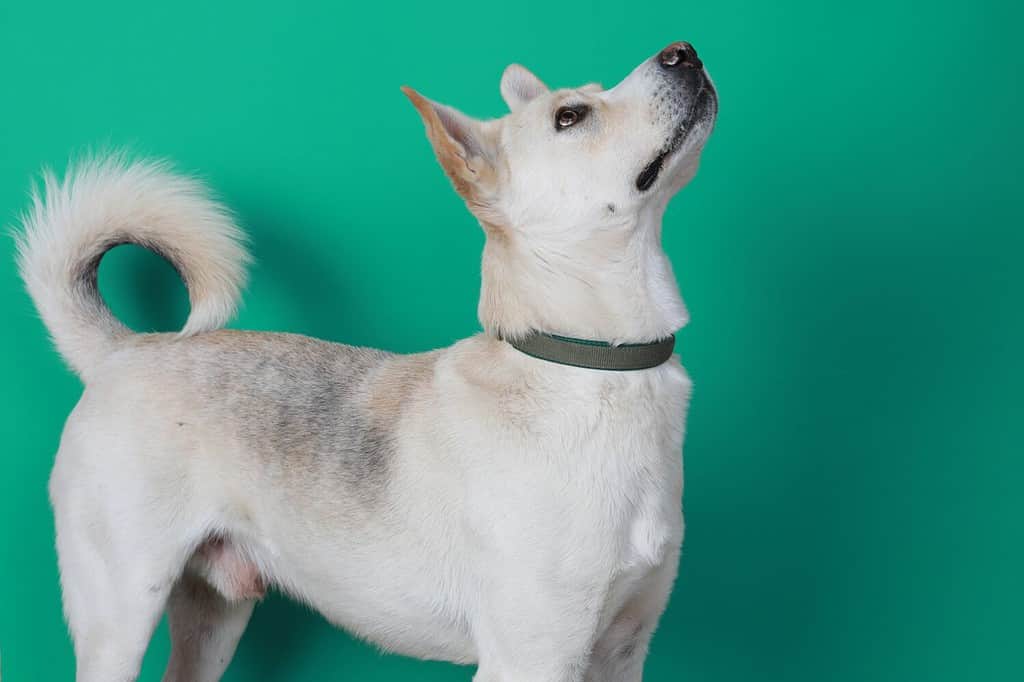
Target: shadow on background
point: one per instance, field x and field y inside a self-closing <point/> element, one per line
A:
<point x="301" y="289"/>
<point x="301" y="286"/>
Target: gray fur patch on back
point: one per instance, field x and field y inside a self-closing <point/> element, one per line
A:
<point x="301" y="406"/>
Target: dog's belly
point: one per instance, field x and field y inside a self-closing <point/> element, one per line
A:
<point x="382" y="572"/>
<point x="396" y="603"/>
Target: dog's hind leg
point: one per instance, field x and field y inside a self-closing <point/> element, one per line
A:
<point x="122" y="542"/>
<point x="205" y="629"/>
<point x="116" y="578"/>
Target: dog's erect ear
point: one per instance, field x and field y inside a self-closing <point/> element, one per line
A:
<point x="519" y="86"/>
<point x="465" y="147"/>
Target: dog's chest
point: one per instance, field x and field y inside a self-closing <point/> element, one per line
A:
<point x="594" y="458"/>
<point x="637" y="453"/>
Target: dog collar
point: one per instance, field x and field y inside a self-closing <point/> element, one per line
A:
<point x="565" y="350"/>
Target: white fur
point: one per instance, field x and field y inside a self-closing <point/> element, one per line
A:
<point x="527" y="516"/>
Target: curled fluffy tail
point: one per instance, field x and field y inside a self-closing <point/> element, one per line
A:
<point x="104" y="203"/>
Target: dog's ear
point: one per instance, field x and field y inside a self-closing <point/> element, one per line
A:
<point x="465" y="147"/>
<point x="519" y="86"/>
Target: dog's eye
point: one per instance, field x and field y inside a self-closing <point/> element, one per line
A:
<point x="567" y="117"/>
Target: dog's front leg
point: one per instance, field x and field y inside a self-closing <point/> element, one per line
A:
<point x="533" y="664"/>
<point x="529" y="632"/>
<point x="621" y="650"/>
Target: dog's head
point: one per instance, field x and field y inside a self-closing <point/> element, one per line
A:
<point x="575" y="157"/>
<point x="581" y="169"/>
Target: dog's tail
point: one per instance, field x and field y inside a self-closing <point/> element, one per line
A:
<point x="106" y="202"/>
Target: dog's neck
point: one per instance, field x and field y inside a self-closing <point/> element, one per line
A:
<point x="612" y="284"/>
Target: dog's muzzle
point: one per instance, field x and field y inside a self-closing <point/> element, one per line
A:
<point x="684" y="69"/>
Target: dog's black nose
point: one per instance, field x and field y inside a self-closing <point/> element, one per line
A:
<point x="680" y="56"/>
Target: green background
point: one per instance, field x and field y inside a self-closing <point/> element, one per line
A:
<point x="849" y="252"/>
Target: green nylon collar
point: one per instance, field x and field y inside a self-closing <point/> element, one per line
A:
<point x="589" y="354"/>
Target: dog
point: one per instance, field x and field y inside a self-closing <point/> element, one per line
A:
<point x="514" y="500"/>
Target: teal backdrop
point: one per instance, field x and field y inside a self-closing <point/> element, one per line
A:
<point x="850" y="252"/>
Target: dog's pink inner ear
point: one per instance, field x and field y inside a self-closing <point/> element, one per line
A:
<point x="519" y="86"/>
<point x="463" y="145"/>
<point x="461" y="129"/>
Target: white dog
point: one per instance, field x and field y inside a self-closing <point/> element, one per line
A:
<point x="509" y="500"/>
